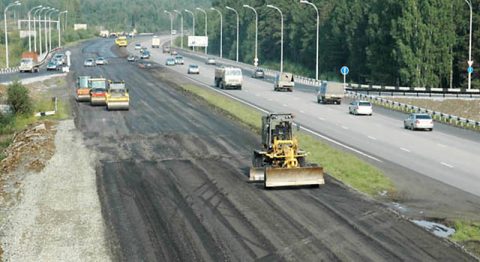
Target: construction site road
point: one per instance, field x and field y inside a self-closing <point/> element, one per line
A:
<point x="172" y="179"/>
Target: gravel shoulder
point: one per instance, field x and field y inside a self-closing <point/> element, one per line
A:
<point x="58" y="216"/>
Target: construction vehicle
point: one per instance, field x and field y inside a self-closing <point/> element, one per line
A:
<point x="228" y="77"/>
<point x="281" y="162"/>
<point x="121" y="41"/>
<point x="330" y="93"/>
<point x="283" y="81"/>
<point x="29" y="62"/>
<point x="83" y="91"/>
<point x="98" y="90"/>
<point x="117" y="97"/>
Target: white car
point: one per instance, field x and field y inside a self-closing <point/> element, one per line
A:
<point x="100" y="61"/>
<point x="138" y="46"/>
<point x="418" y="121"/>
<point x="360" y="108"/>
<point x="89" y="62"/>
<point x="210" y="61"/>
<point x="193" y="69"/>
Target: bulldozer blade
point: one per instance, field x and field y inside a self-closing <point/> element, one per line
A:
<point x="256" y="174"/>
<point x="300" y="176"/>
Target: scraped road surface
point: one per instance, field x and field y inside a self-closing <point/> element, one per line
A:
<point x="172" y="178"/>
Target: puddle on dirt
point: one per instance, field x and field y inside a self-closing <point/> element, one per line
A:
<point x="437" y="229"/>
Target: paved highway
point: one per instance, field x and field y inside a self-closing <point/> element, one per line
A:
<point x="172" y="179"/>
<point x="447" y="154"/>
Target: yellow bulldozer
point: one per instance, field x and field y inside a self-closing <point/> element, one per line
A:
<point x="281" y="163"/>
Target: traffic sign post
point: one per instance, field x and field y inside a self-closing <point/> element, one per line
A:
<point x="344" y="71"/>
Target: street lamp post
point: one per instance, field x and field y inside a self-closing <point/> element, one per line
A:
<point x="470" y="61"/>
<point x="30" y="27"/>
<point x="206" y="25"/>
<point x="255" y="60"/>
<point x="193" y="17"/>
<point x="59" y="28"/>
<point x="50" y="29"/>
<point x="318" y="26"/>
<point x="171" y="26"/>
<point x="181" y="26"/>
<point x="238" y="23"/>
<point x="221" y="30"/>
<point x="35" y="29"/>
<point x="40" y="27"/>
<point x="281" y="36"/>
<point x="17" y="3"/>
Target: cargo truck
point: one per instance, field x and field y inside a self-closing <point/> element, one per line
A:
<point x="330" y="93"/>
<point x="155" y="42"/>
<point x="121" y="41"/>
<point x="29" y="62"/>
<point x="228" y="77"/>
<point x="283" y="81"/>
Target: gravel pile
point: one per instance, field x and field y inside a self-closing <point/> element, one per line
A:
<point x="59" y="216"/>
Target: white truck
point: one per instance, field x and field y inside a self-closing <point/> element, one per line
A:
<point x="155" y="42"/>
<point x="29" y="62"/>
<point x="330" y="93"/>
<point x="283" y="81"/>
<point x="104" y="33"/>
<point x="228" y="77"/>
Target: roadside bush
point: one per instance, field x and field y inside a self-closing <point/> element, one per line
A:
<point x="18" y="98"/>
<point x="7" y="123"/>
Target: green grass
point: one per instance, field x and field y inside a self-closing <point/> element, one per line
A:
<point x="44" y="104"/>
<point x="343" y="166"/>
<point x="466" y="231"/>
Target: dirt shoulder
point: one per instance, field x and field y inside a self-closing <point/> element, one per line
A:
<point x="49" y="206"/>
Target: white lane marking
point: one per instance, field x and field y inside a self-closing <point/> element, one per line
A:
<point x="404" y="149"/>
<point x="257" y="95"/>
<point x="441" y="145"/>
<point x="269" y="99"/>
<point x="285" y="105"/>
<point x="344" y="127"/>
<point x="301" y="111"/>
<point x="371" y="137"/>
<point x="246" y="90"/>
<point x="446" y="164"/>
<point x="301" y="127"/>
<point x="321" y="118"/>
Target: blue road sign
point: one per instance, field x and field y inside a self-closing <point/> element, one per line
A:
<point x="470" y="70"/>
<point x="344" y="70"/>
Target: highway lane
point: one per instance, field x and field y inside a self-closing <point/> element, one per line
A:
<point x="446" y="154"/>
<point x="171" y="176"/>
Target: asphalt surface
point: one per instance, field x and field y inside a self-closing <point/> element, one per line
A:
<point x="447" y="154"/>
<point x="172" y="179"/>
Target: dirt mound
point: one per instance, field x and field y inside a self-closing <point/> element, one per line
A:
<point x="30" y="149"/>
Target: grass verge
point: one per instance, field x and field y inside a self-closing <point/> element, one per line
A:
<point x="468" y="235"/>
<point x="343" y="166"/>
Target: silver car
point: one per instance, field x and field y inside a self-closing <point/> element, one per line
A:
<point x="101" y="61"/>
<point x="89" y="62"/>
<point x="210" y="61"/>
<point x="193" y="69"/>
<point x="360" y="108"/>
<point x="418" y="121"/>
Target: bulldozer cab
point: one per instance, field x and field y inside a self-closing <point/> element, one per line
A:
<point x="281" y="163"/>
<point x="276" y="127"/>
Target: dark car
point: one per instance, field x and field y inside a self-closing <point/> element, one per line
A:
<point x="145" y="55"/>
<point x="258" y="73"/>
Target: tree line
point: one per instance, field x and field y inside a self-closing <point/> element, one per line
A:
<point x="391" y="42"/>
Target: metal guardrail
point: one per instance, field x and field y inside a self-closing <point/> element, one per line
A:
<point x="16" y="69"/>
<point x="417" y="91"/>
<point x="438" y="116"/>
